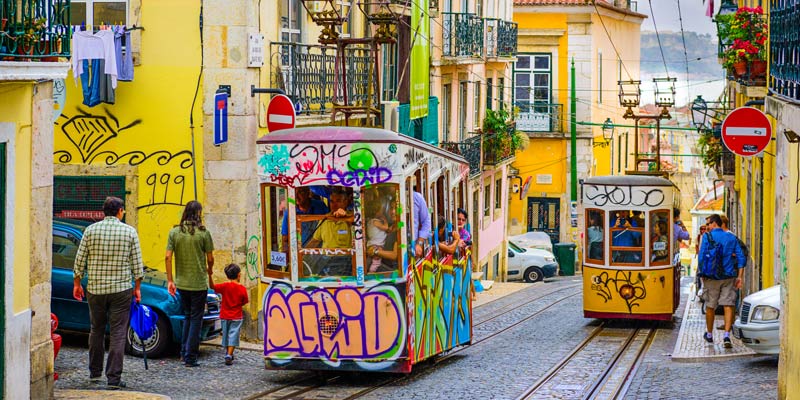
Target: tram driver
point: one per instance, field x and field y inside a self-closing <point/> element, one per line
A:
<point x="334" y="233"/>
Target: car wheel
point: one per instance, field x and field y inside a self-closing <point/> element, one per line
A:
<point x="156" y="345"/>
<point x="533" y="274"/>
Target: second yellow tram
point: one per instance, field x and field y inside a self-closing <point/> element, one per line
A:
<point x="630" y="268"/>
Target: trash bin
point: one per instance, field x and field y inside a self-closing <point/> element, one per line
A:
<point x="565" y="254"/>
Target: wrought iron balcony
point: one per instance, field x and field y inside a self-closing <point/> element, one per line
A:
<point x="539" y="117"/>
<point x="462" y="35"/>
<point x="784" y="69"/>
<point x="501" y="38"/>
<point x="306" y="73"/>
<point x="34" y="30"/>
<point x="470" y="149"/>
<point x="497" y="147"/>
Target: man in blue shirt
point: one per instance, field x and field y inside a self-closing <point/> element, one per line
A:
<point x="422" y="223"/>
<point x="304" y="204"/>
<point x="721" y="290"/>
<point x="679" y="231"/>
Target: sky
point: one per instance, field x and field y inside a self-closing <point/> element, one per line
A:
<point x="667" y="17"/>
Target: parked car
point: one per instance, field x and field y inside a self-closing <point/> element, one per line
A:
<point x="759" y="321"/>
<point x="530" y="265"/>
<point x="534" y="239"/>
<point x="74" y="315"/>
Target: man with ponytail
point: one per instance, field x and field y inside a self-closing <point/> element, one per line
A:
<point x="190" y="242"/>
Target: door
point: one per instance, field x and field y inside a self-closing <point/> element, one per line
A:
<point x="544" y="214"/>
<point x="2" y="263"/>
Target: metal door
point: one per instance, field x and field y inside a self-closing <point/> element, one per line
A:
<point x="2" y="262"/>
<point x="544" y="214"/>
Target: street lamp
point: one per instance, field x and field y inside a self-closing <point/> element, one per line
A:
<point x="702" y="110"/>
<point x="629" y="93"/>
<point x="608" y="130"/>
<point x="665" y="93"/>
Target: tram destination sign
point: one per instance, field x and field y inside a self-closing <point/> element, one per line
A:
<point x="746" y="131"/>
<point x="614" y="196"/>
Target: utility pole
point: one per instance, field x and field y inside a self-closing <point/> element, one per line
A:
<point x="573" y="133"/>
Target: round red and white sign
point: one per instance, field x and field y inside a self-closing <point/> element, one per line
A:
<point x="280" y="113"/>
<point x="746" y="131"/>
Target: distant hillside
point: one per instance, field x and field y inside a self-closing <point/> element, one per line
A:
<point x="698" y="46"/>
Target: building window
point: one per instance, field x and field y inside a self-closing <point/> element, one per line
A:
<point x="479" y="8"/>
<point x="501" y="92"/>
<point x="532" y="92"/>
<point x="475" y="208"/>
<point x="489" y="93"/>
<point x="498" y="193"/>
<point x="476" y="119"/>
<point x="487" y="198"/>
<point x="93" y="13"/>
<point x="599" y="76"/>
<point x="446" y="107"/>
<point x="290" y="21"/>
<point x="346" y="11"/>
<point x="462" y="111"/>
<point x="389" y="51"/>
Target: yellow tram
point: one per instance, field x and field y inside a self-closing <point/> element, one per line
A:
<point x="343" y="291"/>
<point x="629" y="265"/>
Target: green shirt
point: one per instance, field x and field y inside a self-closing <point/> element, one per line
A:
<point x="110" y="253"/>
<point x="189" y="252"/>
<point x="334" y="234"/>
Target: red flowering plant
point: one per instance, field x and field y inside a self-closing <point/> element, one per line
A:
<point x="744" y="35"/>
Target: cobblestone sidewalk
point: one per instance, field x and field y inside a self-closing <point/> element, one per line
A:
<point x="691" y="346"/>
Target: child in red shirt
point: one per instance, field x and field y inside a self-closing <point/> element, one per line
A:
<point x="234" y="296"/>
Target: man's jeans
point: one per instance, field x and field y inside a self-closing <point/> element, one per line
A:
<point x="112" y="309"/>
<point x="194" y="303"/>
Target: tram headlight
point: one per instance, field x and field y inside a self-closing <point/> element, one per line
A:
<point x="626" y="291"/>
<point x="765" y="313"/>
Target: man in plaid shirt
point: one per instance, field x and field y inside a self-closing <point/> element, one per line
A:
<point x="110" y="254"/>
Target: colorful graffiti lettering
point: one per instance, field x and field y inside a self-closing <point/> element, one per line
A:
<point x="441" y="307"/>
<point x="253" y="260"/>
<point x="630" y="290"/>
<point x="275" y="162"/>
<point x="359" y="177"/>
<point x="344" y="323"/>
<point x="326" y="252"/>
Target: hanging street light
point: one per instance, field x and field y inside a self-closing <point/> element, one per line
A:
<point x="608" y="129"/>
<point x="629" y="93"/>
<point x="629" y="97"/>
<point x="665" y="93"/>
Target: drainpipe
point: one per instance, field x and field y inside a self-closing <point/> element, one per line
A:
<point x="573" y="132"/>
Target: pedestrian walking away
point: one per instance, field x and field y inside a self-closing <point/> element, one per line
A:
<point x="110" y="256"/>
<point x="192" y="247"/>
<point x="721" y="276"/>
<point x="234" y="297"/>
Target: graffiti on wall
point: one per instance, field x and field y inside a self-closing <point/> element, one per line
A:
<point x="629" y="288"/>
<point x="442" y="316"/>
<point x="332" y="164"/>
<point x="91" y="135"/>
<point x="334" y="324"/>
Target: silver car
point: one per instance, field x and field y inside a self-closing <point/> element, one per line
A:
<point x="759" y="321"/>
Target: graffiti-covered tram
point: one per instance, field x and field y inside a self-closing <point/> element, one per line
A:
<point x="630" y="268"/>
<point x="344" y="288"/>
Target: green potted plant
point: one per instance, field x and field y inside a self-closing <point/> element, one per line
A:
<point x="711" y="149"/>
<point x="502" y="133"/>
<point x="743" y="36"/>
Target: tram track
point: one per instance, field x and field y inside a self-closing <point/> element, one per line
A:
<point x="318" y="385"/>
<point x="577" y="375"/>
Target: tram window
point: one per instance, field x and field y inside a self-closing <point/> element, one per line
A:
<point x="328" y="250"/>
<point x="381" y="227"/>
<point x="276" y="250"/>
<point x="595" y="240"/>
<point x="627" y="229"/>
<point x="659" y="238"/>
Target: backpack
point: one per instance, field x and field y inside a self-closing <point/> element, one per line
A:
<point x="712" y="265"/>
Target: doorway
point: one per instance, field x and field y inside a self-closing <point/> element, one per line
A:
<point x="544" y="214"/>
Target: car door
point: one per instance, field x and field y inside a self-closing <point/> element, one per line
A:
<point x="72" y="314"/>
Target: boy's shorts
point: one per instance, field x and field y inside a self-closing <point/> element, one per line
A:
<point x="230" y="332"/>
<point x="719" y="292"/>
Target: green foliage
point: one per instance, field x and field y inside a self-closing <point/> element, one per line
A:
<point x="711" y="149"/>
<point x="502" y="126"/>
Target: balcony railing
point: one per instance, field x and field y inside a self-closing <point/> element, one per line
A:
<point x="501" y="38"/>
<point x="497" y="147"/>
<point x="539" y="117"/>
<point x="784" y="71"/>
<point x="470" y="149"/>
<point x="34" y="29"/>
<point x="462" y="35"/>
<point x="306" y="73"/>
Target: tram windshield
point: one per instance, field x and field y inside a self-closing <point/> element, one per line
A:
<point x="627" y="232"/>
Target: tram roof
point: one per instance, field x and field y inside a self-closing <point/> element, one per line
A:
<point x="628" y="180"/>
<point x="345" y="134"/>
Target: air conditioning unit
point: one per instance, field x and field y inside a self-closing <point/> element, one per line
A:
<point x="391" y="115"/>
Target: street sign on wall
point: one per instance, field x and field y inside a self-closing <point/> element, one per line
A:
<point x="746" y="131"/>
<point x="220" y="118"/>
<point x="280" y="113"/>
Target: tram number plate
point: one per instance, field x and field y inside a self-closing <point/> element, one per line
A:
<point x="737" y="333"/>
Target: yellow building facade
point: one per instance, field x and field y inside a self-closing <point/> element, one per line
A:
<point x="558" y="37"/>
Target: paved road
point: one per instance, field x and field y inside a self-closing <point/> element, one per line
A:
<point x="498" y="368"/>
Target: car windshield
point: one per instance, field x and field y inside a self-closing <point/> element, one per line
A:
<point x="514" y="247"/>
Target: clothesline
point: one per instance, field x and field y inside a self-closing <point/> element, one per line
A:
<point x="103" y="27"/>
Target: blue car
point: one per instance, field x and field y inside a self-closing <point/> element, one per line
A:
<point x="73" y="315"/>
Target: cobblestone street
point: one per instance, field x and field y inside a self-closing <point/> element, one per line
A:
<point x="499" y="367"/>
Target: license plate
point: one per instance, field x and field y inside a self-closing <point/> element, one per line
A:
<point x="217" y="325"/>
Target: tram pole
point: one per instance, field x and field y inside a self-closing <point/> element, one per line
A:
<point x="573" y="133"/>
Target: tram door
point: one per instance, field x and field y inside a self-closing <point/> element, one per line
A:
<point x="544" y="214"/>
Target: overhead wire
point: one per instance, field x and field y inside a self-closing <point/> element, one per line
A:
<point x="685" y="53"/>
<point x="660" y="47"/>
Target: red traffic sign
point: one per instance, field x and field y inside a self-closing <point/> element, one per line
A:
<point x="746" y="131"/>
<point x="280" y="113"/>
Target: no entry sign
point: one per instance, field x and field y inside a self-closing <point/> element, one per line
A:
<point x="746" y="131"/>
<point x="280" y="113"/>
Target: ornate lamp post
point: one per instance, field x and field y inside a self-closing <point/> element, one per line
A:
<point x="608" y="134"/>
<point x="629" y="96"/>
